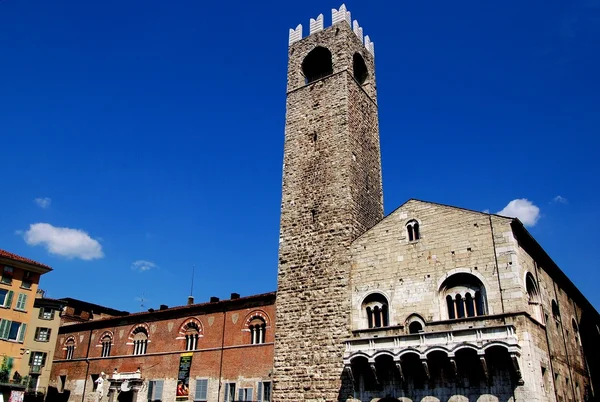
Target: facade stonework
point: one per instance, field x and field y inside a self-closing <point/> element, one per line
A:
<point x="431" y="303"/>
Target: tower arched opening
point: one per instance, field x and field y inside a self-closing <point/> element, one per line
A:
<point x="317" y="64"/>
<point x="361" y="73"/>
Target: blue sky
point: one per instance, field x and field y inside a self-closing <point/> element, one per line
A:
<point x="152" y="132"/>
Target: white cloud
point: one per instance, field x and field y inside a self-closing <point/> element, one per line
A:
<point x="560" y="200"/>
<point x="66" y="242"/>
<point x="142" y="265"/>
<point x="486" y="211"/>
<point x="523" y="209"/>
<point x="43" y="202"/>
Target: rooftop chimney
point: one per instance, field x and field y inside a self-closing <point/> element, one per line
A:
<point x="163" y="307"/>
<point x="190" y="300"/>
<point x="214" y="299"/>
<point x="235" y="296"/>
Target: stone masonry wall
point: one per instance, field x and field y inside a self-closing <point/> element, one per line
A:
<point x="410" y="274"/>
<point x="331" y="194"/>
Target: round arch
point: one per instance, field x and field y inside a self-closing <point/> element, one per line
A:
<point x="317" y="64"/>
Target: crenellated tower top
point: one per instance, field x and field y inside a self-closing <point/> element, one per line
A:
<point x="337" y="16"/>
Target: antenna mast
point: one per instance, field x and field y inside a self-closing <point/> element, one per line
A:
<point x="192" y="286"/>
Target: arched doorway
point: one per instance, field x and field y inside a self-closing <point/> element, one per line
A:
<point x="125" y="396"/>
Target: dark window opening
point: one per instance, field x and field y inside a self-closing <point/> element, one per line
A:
<point x="317" y="64"/>
<point x="469" y="305"/>
<point x="415" y="327"/>
<point x="555" y="311"/>
<point x="412" y="228"/>
<point x="450" y="303"/>
<point x="376" y="307"/>
<point x="361" y="73"/>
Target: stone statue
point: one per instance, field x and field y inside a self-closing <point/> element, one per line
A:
<point x="100" y="385"/>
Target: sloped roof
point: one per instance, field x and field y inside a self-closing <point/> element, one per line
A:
<point x="15" y="257"/>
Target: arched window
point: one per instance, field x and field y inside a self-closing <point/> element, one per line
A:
<point x="412" y="228"/>
<point x="415" y="327"/>
<point x="258" y="328"/>
<point x="70" y="348"/>
<point x="140" y="341"/>
<point x="533" y="296"/>
<point x="555" y="311"/>
<point x="106" y="342"/>
<point x="576" y="332"/>
<point x="463" y="296"/>
<point x="192" y="333"/>
<point x="376" y="308"/>
<point x="317" y="64"/>
<point x="361" y="73"/>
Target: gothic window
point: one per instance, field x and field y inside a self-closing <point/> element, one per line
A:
<point x="533" y="296"/>
<point x="576" y="332"/>
<point x="192" y="333"/>
<point x="70" y="344"/>
<point x="257" y="330"/>
<point x="106" y="342"/>
<point x="361" y="73"/>
<point x="464" y="296"/>
<point x="375" y="307"/>
<point x="415" y="327"/>
<point x="555" y="311"/>
<point x="412" y="228"/>
<point x="140" y="341"/>
<point x="317" y="64"/>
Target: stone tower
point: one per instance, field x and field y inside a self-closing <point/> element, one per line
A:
<point x="332" y="193"/>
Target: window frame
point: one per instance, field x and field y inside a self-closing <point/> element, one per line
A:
<point x="261" y="391"/>
<point x="6" y="330"/>
<point x="201" y="398"/>
<point x="245" y="394"/>
<point x="8" y="298"/>
<point x="69" y="349"/>
<point x="230" y="388"/>
<point x="7" y="275"/>
<point x="43" y="311"/>
<point x="413" y="230"/>
<point x="152" y="393"/>
<point x="38" y="332"/>
<point x="21" y="304"/>
<point x="106" y="345"/>
<point x="140" y="346"/>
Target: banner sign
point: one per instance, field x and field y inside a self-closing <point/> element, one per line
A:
<point x="183" y="379"/>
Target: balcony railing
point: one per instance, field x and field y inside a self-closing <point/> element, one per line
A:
<point x="423" y="342"/>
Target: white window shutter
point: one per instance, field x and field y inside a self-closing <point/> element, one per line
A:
<point x="158" y="389"/>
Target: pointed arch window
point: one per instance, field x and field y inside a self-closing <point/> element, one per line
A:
<point x="533" y="296"/>
<point x="412" y="230"/>
<point x="140" y="341"/>
<point x="376" y="310"/>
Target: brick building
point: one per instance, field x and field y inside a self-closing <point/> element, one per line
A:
<point x="217" y="348"/>
<point x="431" y="302"/>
